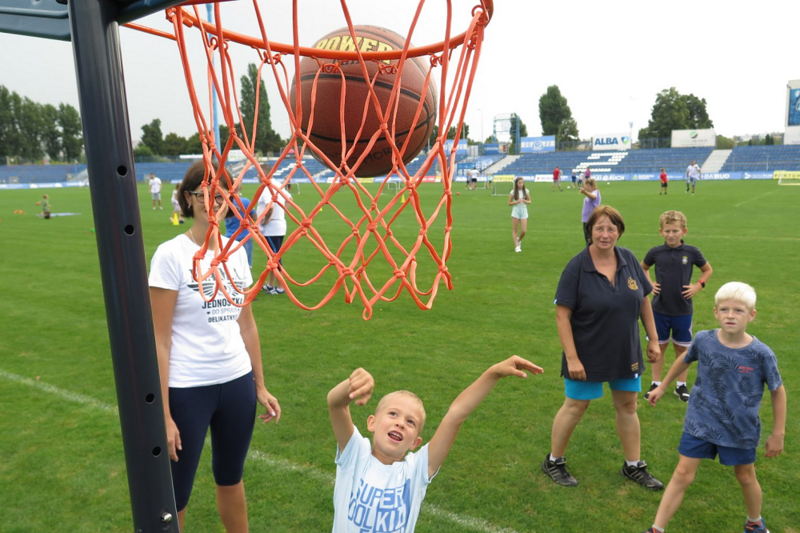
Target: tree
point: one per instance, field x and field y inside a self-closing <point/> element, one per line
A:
<point x="152" y="136"/>
<point x="724" y="143"/>
<point x="51" y="134"/>
<point x="173" y="145"/>
<point x="142" y="150"/>
<point x="71" y="131"/>
<point x="556" y="116"/>
<point x="8" y="131"/>
<point x="769" y="140"/>
<point x="675" y="111"/>
<point x="29" y="122"/>
<point x="266" y="138"/>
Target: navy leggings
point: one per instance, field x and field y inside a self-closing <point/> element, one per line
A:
<point x="229" y="409"/>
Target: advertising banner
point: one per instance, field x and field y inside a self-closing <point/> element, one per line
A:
<point x="611" y="141"/>
<point x="793" y="101"/>
<point x="491" y="148"/>
<point x="532" y="145"/>
<point x="792" y="135"/>
<point x="692" y="138"/>
<point x="460" y="150"/>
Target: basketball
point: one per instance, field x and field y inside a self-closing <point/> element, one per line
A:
<point x="326" y="129"/>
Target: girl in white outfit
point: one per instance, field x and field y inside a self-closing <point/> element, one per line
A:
<point x="518" y="199"/>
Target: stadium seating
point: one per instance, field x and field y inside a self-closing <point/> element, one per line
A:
<point x="763" y="159"/>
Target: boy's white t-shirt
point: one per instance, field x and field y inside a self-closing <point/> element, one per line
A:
<point x="371" y="497"/>
<point x="207" y="346"/>
<point x="155" y="185"/>
<point x="276" y="225"/>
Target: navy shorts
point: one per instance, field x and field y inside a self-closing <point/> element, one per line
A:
<point x="695" y="448"/>
<point x="275" y="242"/>
<point x="229" y="409"/>
<point x="679" y="326"/>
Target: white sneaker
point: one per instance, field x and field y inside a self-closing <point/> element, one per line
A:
<point x="517" y="249"/>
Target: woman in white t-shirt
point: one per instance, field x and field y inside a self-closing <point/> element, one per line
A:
<point x="519" y="198"/>
<point x="273" y="228"/>
<point x="209" y="358"/>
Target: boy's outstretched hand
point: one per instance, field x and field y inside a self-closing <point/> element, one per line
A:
<point x="361" y="386"/>
<point x="515" y="366"/>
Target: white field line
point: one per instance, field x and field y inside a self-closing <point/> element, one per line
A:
<point x="469" y="522"/>
<point x="756" y="197"/>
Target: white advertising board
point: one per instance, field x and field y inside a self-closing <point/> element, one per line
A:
<point x="692" y="138"/>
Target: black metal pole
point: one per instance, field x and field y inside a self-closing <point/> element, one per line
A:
<point x="118" y="227"/>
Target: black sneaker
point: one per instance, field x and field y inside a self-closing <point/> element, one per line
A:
<point x="557" y="470"/>
<point x="682" y="392"/>
<point x="653" y="387"/>
<point x="640" y="475"/>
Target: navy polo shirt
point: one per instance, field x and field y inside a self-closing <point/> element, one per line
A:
<point x="673" y="270"/>
<point x="605" y="318"/>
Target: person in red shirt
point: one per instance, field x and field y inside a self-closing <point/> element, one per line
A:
<point x="663" y="182"/>
<point x="557" y="180"/>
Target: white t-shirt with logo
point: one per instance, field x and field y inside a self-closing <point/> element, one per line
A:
<point x="155" y="185"/>
<point x="371" y="497"/>
<point x="276" y="225"/>
<point x="693" y="171"/>
<point x="207" y="346"/>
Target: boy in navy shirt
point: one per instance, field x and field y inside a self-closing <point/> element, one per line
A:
<point x="723" y="414"/>
<point x="673" y="293"/>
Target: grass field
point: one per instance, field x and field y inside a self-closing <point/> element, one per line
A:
<point x="61" y="459"/>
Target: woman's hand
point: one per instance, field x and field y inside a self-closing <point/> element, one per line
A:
<point x="271" y="404"/>
<point x="576" y="370"/>
<point x="173" y="439"/>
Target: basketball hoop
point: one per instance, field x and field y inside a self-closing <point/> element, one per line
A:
<point x="376" y="260"/>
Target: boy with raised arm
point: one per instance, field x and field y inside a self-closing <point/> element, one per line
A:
<point x="673" y="293"/>
<point x="723" y="414"/>
<point x="380" y="487"/>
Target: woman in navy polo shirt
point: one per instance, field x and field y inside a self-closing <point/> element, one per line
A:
<point x="601" y="296"/>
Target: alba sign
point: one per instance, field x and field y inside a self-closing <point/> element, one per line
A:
<point x="611" y="141"/>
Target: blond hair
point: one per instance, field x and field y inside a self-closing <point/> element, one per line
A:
<point x="672" y="217"/>
<point x="408" y="394"/>
<point x="738" y="292"/>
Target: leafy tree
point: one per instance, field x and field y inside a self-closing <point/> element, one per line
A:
<point x="193" y="145"/>
<point x="173" y="145"/>
<point x="29" y="122"/>
<point x="516" y="122"/>
<point x="8" y="131"/>
<point x="556" y="116"/>
<point x="266" y="138"/>
<point x="71" y="131"/>
<point x="769" y="140"/>
<point x="51" y="133"/>
<point x="675" y="111"/>
<point x="152" y="136"/>
<point x="142" y="150"/>
<point x="724" y="143"/>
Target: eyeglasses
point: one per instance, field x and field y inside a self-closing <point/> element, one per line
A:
<point x="218" y="198"/>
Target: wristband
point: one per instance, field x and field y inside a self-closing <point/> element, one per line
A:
<point x="702" y="283"/>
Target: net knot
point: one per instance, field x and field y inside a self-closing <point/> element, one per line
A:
<point x="344" y="179"/>
<point x="399" y="274"/>
<point x="347" y="272"/>
<point x="272" y="264"/>
<point x="442" y="269"/>
<point x="372" y="226"/>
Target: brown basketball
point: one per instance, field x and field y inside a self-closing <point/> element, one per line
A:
<point x="326" y="132"/>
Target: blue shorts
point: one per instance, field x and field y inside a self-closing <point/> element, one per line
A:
<point x="680" y="326"/>
<point x="592" y="390"/>
<point x="229" y="409"/>
<point x="695" y="448"/>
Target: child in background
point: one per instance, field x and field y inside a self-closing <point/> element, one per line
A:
<point x="380" y="487"/>
<point x="592" y="200"/>
<point x="518" y="199"/>
<point x="673" y="292"/>
<point x="45" y="203"/>
<point x="723" y="414"/>
<point x="176" y="207"/>
<point x="663" y="182"/>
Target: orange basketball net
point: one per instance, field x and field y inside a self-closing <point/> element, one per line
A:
<point x="372" y="231"/>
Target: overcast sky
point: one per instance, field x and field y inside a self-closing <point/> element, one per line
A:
<point x="609" y="59"/>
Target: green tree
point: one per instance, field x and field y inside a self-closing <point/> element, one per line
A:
<point x="516" y="122"/>
<point x="173" y="145"/>
<point x="675" y="111"/>
<point x="8" y="129"/>
<point x="193" y="144"/>
<point x="724" y="143"/>
<point x="152" y="136"/>
<point x="556" y="116"/>
<point x="51" y="133"/>
<point x="769" y="140"/>
<point x="142" y="150"/>
<point x="266" y="138"/>
<point x="30" y="123"/>
<point x="71" y="131"/>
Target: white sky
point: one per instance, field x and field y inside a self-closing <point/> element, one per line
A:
<point x="609" y="59"/>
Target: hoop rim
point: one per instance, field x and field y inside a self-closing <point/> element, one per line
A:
<point x="306" y="51"/>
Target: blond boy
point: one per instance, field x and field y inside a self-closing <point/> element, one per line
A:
<point x="673" y="293"/>
<point x="723" y="414"/>
<point x="380" y="487"/>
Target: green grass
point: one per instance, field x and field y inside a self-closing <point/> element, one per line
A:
<point x="61" y="459"/>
